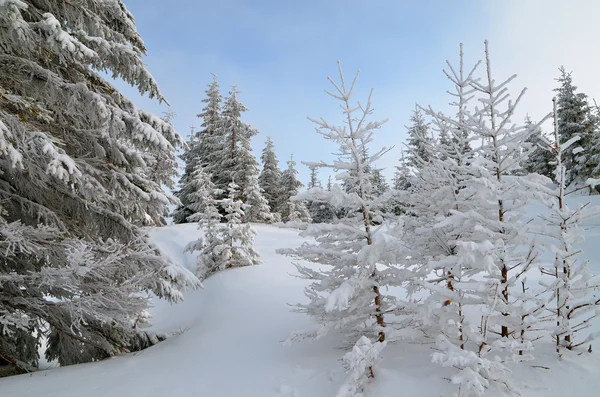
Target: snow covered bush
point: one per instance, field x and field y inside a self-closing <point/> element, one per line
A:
<point x="80" y="169"/>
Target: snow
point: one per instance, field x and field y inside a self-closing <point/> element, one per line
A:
<point x="226" y="340"/>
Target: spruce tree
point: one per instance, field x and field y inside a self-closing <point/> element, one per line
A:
<point x="574" y="288"/>
<point x="380" y="185"/>
<point x="541" y="159"/>
<point x="494" y="243"/>
<point x="314" y="177"/>
<point x="575" y="118"/>
<point x="233" y="159"/>
<point x="320" y="211"/>
<point x="258" y="209"/>
<point x="205" y="212"/>
<point x="80" y="168"/>
<point x="269" y="179"/>
<point x="347" y="289"/>
<point x="402" y="175"/>
<point x="200" y="148"/>
<point x="225" y="245"/>
<point x="419" y="137"/>
<point x="292" y="210"/>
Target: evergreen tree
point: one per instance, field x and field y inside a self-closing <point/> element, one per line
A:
<point x="269" y="179"/>
<point x="541" y="159"/>
<point x="292" y="210"/>
<point x="380" y="185"/>
<point x="258" y="209"/>
<point x="576" y="119"/>
<point x="233" y="160"/>
<point x="319" y="211"/>
<point x="225" y="245"/>
<point x="80" y="168"/>
<point x="419" y="138"/>
<point x="494" y="243"/>
<point x="346" y="292"/>
<point x="205" y="212"/>
<point x="200" y="148"/>
<point x="574" y="289"/>
<point x="314" y="179"/>
<point x="402" y="175"/>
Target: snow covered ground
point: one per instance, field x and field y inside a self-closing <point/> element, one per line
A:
<point x="227" y="342"/>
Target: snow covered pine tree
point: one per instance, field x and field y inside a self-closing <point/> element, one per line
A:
<point x="345" y="293"/>
<point x="225" y="245"/>
<point x="80" y="169"/>
<point x="200" y="149"/>
<point x="574" y="287"/>
<point x="269" y="179"/>
<point x="292" y="210"/>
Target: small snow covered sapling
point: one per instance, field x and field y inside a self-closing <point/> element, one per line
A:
<point x="225" y="245"/>
<point x="358" y="260"/>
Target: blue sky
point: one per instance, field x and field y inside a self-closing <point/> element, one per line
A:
<point x="279" y="54"/>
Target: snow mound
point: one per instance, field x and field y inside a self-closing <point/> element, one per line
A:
<point x="226" y="341"/>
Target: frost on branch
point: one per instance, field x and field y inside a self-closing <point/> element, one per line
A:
<point x="358" y="364"/>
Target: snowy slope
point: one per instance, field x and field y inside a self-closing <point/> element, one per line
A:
<point x="227" y="343"/>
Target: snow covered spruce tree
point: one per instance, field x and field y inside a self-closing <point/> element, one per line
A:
<point x="204" y="208"/>
<point x="292" y="210"/>
<point x="541" y="160"/>
<point x="419" y="139"/>
<point x="269" y="179"/>
<point x="495" y="252"/>
<point x="225" y="245"/>
<point x="575" y="288"/>
<point x="200" y="148"/>
<point x="233" y="159"/>
<point x="80" y="168"/>
<point x="320" y="212"/>
<point x="437" y="188"/>
<point x="357" y="260"/>
<point x="439" y="195"/>
<point x="575" y="118"/>
<point x="257" y="206"/>
<point x="468" y="231"/>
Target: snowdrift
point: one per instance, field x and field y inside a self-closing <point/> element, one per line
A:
<point x="226" y="341"/>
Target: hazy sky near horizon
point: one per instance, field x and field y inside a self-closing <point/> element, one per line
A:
<point x="279" y="53"/>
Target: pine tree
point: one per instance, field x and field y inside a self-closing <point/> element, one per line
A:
<point x="225" y="245"/>
<point x="200" y="148"/>
<point x="80" y="168"/>
<point x="469" y="232"/>
<point x="292" y="210"/>
<point x="576" y="119"/>
<point x="346" y="293"/>
<point x="419" y="138"/>
<point x="437" y="192"/>
<point x="541" y="159"/>
<point x="269" y="179"/>
<point x="574" y="287"/>
<point x="319" y="211"/>
<point x="495" y="232"/>
<point x="233" y="159"/>
<point x="205" y="212"/>
<point x="314" y="178"/>
<point x="380" y="185"/>
<point x="258" y="209"/>
<point x="402" y="175"/>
